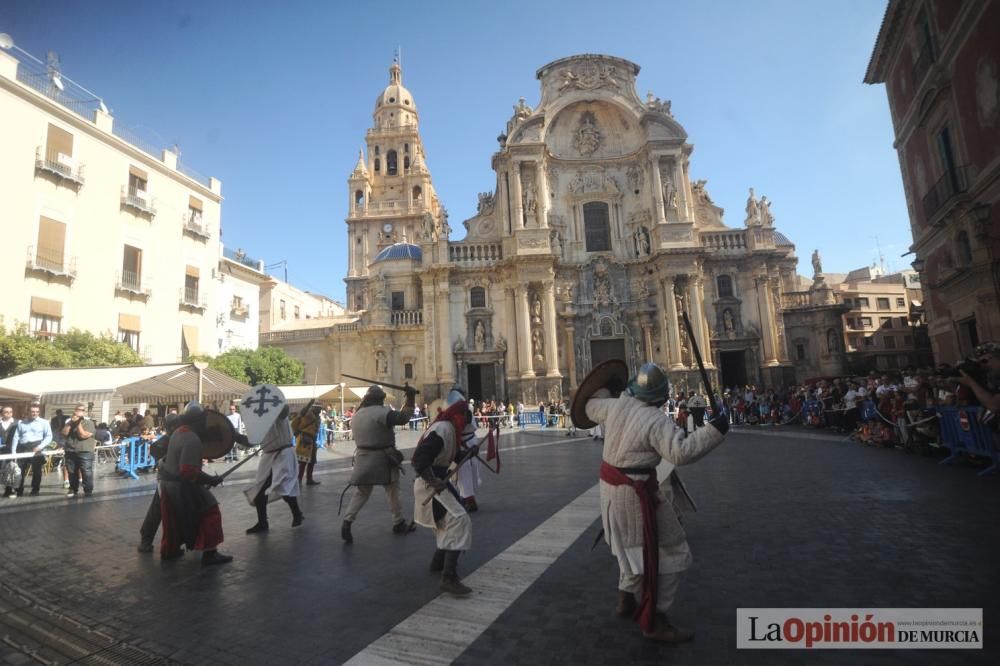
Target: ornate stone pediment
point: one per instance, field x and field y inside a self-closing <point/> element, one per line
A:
<point x="594" y="181"/>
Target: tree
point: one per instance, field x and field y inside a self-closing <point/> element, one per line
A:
<point x="265" y="365"/>
<point x="22" y="352"/>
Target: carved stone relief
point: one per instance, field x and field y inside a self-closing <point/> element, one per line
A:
<point x="588" y="136"/>
<point x="635" y="177"/>
<point x="588" y="76"/>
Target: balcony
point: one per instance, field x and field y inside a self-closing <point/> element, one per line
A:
<point x="193" y="226"/>
<point x="727" y="241"/>
<point x="239" y="312"/>
<point x="138" y="201"/>
<point x="129" y="283"/>
<point x="951" y="183"/>
<point x="62" y="167"/>
<point x="406" y="317"/>
<point x="191" y="299"/>
<point x="52" y="262"/>
<point x="385" y="209"/>
<point x="475" y="254"/>
<point x="241" y="257"/>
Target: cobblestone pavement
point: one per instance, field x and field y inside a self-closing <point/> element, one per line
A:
<point x="783" y="521"/>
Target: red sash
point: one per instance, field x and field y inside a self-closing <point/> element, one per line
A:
<point x="646" y="490"/>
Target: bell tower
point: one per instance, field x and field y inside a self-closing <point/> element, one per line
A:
<point x="390" y="192"/>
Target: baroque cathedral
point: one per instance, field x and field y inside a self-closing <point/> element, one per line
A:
<point x="590" y="244"/>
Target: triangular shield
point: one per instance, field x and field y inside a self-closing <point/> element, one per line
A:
<point x="259" y="409"/>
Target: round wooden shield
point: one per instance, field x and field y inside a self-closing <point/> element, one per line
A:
<point x="219" y="435"/>
<point x="612" y="375"/>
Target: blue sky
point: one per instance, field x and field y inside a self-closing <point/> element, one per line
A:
<point x="274" y="99"/>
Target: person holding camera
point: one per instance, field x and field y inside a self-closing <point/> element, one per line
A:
<point x="984" y="381"/>
<point x="79" y="443"/>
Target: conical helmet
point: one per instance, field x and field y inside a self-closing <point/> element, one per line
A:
<point x="650" y="385"/>
<point x="456" y="394"/>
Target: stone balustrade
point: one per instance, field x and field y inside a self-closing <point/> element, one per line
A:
<point x="725" y="241"/>
<point x="475" y="254"/>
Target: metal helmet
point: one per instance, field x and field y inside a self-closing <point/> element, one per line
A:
<point x="193" y="408"/>
<point x="650" y="385"/>
<point x="456" y="394"/>
<point x="375" y="395"/>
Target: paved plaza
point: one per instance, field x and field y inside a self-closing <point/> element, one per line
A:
<point x="786" y="519"/>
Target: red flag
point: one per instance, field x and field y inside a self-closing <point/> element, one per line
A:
<point x="493" y="449"/>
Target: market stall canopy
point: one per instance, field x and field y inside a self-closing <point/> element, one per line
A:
<point x="297" y="395"/>
<point x="166" y="383"/>
<point x="10" y="395"/>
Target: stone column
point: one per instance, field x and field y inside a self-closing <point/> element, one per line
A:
<point x="766" y="322"/>
<point x="657" y="185"/>
<point x="515" y="183"/>
<point x="542" y="199"/>
<point x="571" y="355"/>
<point x="696" y="315"/>
<point x="442" y="305"/>
<point x="705" y="344"/>
<point x="524" y="333"/>
<point x="673" y="333"/>
<point x="647" y="337"/>
<point x="351" y="252"/>
<point x="549" y="316"/>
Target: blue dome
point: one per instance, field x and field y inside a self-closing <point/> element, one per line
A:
<point x="404" y="251"/>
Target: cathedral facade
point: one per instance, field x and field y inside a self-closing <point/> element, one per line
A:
<point x="591" y="243"/>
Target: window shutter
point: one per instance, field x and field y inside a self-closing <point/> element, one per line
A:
<point x="46" y="307"/>
<point x="129" y="322"/>
<point x="58" y="141"/>
<point x="51" y="239"/>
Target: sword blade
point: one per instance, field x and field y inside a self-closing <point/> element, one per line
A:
<point x="240" y="464"/>
<point x="374" y="381"/>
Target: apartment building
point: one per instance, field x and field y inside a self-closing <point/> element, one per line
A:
<point x="238" y="280"/>
<point x="117" y="236"/>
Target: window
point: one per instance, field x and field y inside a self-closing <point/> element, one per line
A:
<point x="378" y="165"/>
<point x="883" y="303"/>
<point x="963" y="250"/>
<point x="376" y="151"/>
<point x="407" y="371"/>
<point x="855" y="341"/>
<point x="907" y="340"/>
<point x="849" y="302"/>
<point x="869" y="341"/>
<point x="50" y="253"/>
<point x="925" y="55"/>
<point x="968" y="335"/>
<point x="597" y="228"/>
<point x="406" y="148"/>
<point x="131" y="268"/>
<point x="948" y="167"/>
<point x="861" y="302"/>
<point x="885" y="322"/>
<point x="359" y="198"/>
<point x="477" y="297"/>
<point x="850" y="322"/>
<point x="904" y="322"/>
<point x="297" y="312"/>
<point x="390" y="163"/>
<point x="724" y="284"/>
<point x="191" y="280"/>
<point x="800" y="352"/>
<point x="890" y="341"/>
<point x="283" y="309"/>
<point x="137" y="182"/>
<point x="59" y="150"/>
<point x="900" y="302"/>
<point x="359" y="302"/>
<point x="397" y="300"/>
<point x="406" y="162"/>
<point x="128" y="330"/>
<point x="45" y="318"/>
<point x="195" y="208"/>
<point x="864" y="322"/>
<point x="417" y="193"/>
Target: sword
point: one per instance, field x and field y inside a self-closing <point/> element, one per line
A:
<point x="461" y="461"/>
<point x="240" y="464"/>
<point x="701" y="366"/>
<point x="405" y="387"/>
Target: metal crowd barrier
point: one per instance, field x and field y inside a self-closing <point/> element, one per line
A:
<point x="134" y="456"/>
<point x="962" y="431"/>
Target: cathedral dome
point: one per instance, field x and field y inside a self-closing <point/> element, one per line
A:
<point x="395" y="94"/>
<point x="399" y="251"/>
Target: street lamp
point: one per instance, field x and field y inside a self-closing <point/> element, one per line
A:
<point x="918" y="264"/>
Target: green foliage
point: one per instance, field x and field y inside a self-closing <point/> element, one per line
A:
<point x="266" y="365"/>
<point x="21" y="352"/>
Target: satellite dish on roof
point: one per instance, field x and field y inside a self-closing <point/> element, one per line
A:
<point x="103" y="107"/>
<point x="6" y="41"/>
<point x="57" y="82"/>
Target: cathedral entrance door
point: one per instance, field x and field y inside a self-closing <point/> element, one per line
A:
<point x="482" y="382"/>
<point x="605" y="350"/>
<point x="734" y="368"/>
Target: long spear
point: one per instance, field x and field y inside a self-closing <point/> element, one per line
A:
<point x="701" y="366"/>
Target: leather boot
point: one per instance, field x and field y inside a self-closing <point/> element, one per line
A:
<point x="345" y="532"/>
<point x="210" y="557"/>
<point x="145" y="546"/>
<point x="437" y="562"/>
<point x="400" y="528"/>
<point x="449" y="577"/>
<point x="664" y="632"/>
<point x="470" y="504"/>
<point x="258" y="528"/>
<point x="297" y="515"/>
<point x="626" y="604"/>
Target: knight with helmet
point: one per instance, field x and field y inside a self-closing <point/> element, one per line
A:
<point x="641" y="516"/>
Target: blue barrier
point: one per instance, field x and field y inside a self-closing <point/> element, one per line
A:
<point x="527" y="418"/>
<point x="961" y="431"/>
<point x="134" y="455"/>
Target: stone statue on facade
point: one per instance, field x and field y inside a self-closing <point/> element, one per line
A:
<point x="832" y="344"/>
<point x="459" y="346"/>
<point x="501" y="345"/>
<point x="588" y="137"/>
<point x="521" y="109"/>
<point x="700" y="193"/>
<point x="528" y="198"/>
<point x="443" y="227"/>
<point x="480" y="337"/>
<point x="727" y="320"/>
<point x="753" y="210"/>
<point x="817" y="263"/>
<point x="766" y="218"/>
<point x="381" y="363"/>
<point x="642" y="245"/>
<point x="634" y="176"/>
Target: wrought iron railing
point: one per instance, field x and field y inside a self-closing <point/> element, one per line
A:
<point x="241" y="257"/>
<point x="59" y="165"/>
<point x="193" y="225"/>
<point x="954" y="181"/>
<point x="51" y="260"/>
<point x="191" y="298"/>
<point x="139" y="200"/>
